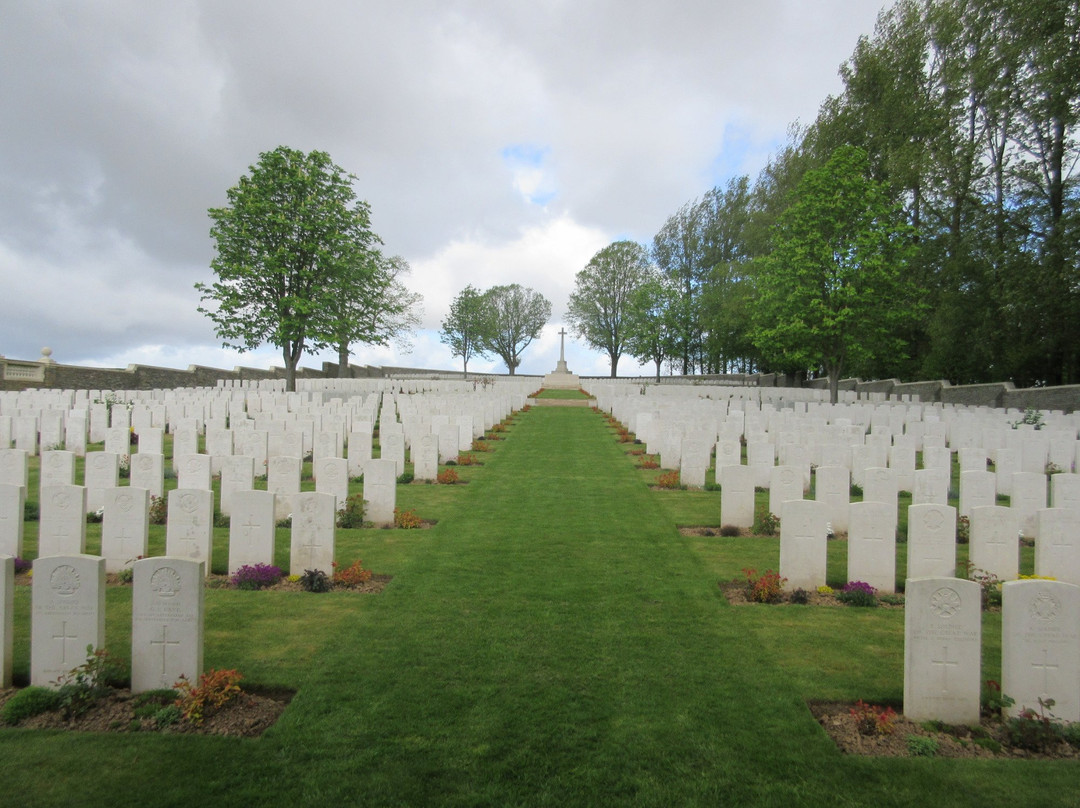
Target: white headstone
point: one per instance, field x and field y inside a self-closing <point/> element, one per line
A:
<point x="62" y="521"/>
<point x="359" y="452"/>
<point x="785" y="483"/>
<point x="1027" y="499"/>
<point x="380" y="492"/>
<point x="14" y="468"/>
<point x="67" y="614"/>
<point x="978" y="489"/>
<point x="1040" y="646"/>
<point x="189" y="531"/>
<point x="193" y="471"/>
<point x="872" y="545"/>
<point x="251" y="529"/>
<point x="102" y="472"/>
<point x="312" y="542"/>
<point x="931" y="487"/>
<point x="879" y="485"/>
<point x="1057" y="549"/>
<point x="833" y="489"/>
<point x="283" y="479"/>
<point x="1065" y="491"/>
<point x="166" y="622"/>
<point x="237" y="474"/>
<point x="125" y="527"/>
<point x="12" y="501"/>
<point x="803" y="543"/>
<point x="995" y="541"/>
<point x="942" y="650"/>
<point x="737" y="496"/>
<point x="148" y="471"/>
<point x="332" y="477"/>
<point x="426" y="458"/>
<point x="931" y="550"/>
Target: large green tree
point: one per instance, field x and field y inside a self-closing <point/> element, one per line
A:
<point x="462" y="326"/>
<point x="375" y="307"/>
<point x="650" y="326"/>
<point x="293" y="228"/>
<point x="600" y="302"/>
<point x="513" y="318"/>
<point x="832" y="292"/>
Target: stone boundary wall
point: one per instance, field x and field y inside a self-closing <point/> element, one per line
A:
<point x="45" y="373"/>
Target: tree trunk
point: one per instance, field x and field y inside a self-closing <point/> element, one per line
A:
<point x="465" y="367"/>
<point x="614" y="365"/>
<point x="658" y="361"/>
<point x="290" y="370"/>
<point x="343" y="360"/>
<point x="833" y="371"/>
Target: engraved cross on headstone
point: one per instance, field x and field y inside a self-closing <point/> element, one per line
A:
<point x="250" y="528"/>
<point x="1045" y="667"/>
<point x="63" y="636"/>
<point x="164" y="642"/>
<point x="310" y="545"/>
<point x="945" y="665"/>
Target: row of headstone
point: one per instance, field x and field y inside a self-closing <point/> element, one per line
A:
<point x="1040" y="649"/>
<point x="68" y="617"/>
<point x="931" y="543"/>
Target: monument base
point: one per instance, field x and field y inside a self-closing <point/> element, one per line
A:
<point x="564" y="380"/>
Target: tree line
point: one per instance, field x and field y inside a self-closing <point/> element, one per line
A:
<point x="924" y="225"/>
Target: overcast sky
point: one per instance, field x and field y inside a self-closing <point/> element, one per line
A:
<point x="496" y="142"/>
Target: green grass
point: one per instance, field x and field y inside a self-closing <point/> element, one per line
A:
<point x="552" y="641"/>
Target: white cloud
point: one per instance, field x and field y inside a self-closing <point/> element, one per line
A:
<point x="496" y="143"/>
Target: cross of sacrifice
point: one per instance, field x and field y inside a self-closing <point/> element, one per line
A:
<point x="562" y="340"/>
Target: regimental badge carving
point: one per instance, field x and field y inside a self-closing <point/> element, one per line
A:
<point x="188" y="503"/>
<point x="165" y="582"/>
<point x="934" y="520"/>
<point x="945" y="602"/>
<point x="64" y="581"/>
<point x="125" y="502"/>
<point x="1044" y="607"/>
<point x="61" y="501"/>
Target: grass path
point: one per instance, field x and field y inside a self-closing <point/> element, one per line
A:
<point x="552" y="641"/>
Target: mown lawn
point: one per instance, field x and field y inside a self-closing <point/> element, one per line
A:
<point x="553" y="640"/>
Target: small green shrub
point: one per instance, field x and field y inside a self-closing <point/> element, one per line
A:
<point x="31" y="512"/>
<point x="405" y="478"/>
<point x="800" y="596"/>
<point x="765" y="522"/>
<point x="126" y="575"/>
<point x="351" y="514"/>
<point x="159" y="510"/>
<point x="81" y="687"/>
<point x="921" y="746"/>
<point x="729" y="530"/>
<point x="167" y="716"/>
<point x="28" y="702"/>
<point x="963" y="530"/>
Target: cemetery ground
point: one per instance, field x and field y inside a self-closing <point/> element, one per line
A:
<point x="552" y="640"/>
